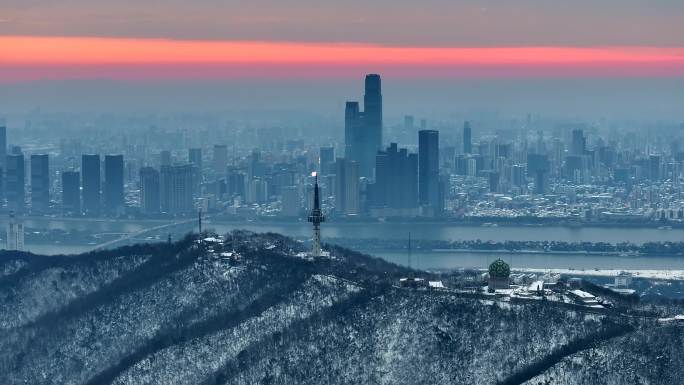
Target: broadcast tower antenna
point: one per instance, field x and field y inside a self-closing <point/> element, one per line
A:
<point x="316" y="217"/>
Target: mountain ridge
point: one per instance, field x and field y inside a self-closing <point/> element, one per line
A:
<point x="253" y="308"/>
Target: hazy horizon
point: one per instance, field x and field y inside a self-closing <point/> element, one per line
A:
<point x="643" y="99"/>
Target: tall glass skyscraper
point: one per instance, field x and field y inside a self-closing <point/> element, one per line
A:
<point x="40" y="183"/>
<point x="428" y="171"/>
<point x="467" y="138"/>
<point x="14" y="182"/>
<point x="372" y="115"/>
<point x="363" y="130"/>
<point x="3" y="145"/>
<point x="114" y="183"/>
<point x="91" y="183"/>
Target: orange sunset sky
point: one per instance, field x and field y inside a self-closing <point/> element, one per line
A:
<point x="42" y="39"/>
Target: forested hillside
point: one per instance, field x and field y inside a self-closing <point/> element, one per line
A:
<point x="253" y="310"/>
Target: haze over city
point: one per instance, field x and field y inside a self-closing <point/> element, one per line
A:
<point x="306" y="192"/>
<point x="459" y="56"/>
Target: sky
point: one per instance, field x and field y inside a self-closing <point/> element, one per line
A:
<point x="210" y="38"/>
<point x="278" y="41"/>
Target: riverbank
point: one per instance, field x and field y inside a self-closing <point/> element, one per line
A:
<point x="352" y="221"/>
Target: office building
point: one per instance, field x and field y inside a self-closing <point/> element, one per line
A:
<point x="579" y="142"/>
<point x="150" y="193"/>
<point x="372" y="115"/>
<point x="353" y="131"/>
<point x="363" y="130"/>
<point x="220" y="159"/>
<point x="538" y="168"/>
<point x="3" y="145"/>
<point x="195" y="157"/>
<point x="91" y="184"/>
<point x="395" y="191"/>
<point x="14" y="182"/>
<point x="428" y="171"/>
<point x="71" y="192"/>
<point x="467" y="138"/>
<point x="114" y="184"/>
<point x="40" y="183"/>
<point x="326" y="160"/>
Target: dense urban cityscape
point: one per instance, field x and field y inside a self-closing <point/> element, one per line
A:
<point x="525" y="170"/>
<point x="389" y="192"/>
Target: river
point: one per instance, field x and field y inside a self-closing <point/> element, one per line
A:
<point x="435" y="231"/>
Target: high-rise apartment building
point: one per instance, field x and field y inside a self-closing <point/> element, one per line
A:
<point x="15" y="233"/>
<point x="71" y="192"/>
<point x="114" y="183"/>
<point x="176" y="189"/>
<point x="347" y="199"/>
<point x="40" y="183"/>
<point x="14" y="182"/>
<point x="150" y="193"/>
<point x="396" y="182"/>
<point x="91" y="184"/>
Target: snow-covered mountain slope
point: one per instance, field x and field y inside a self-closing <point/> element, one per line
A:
<point x="254" y="311"/>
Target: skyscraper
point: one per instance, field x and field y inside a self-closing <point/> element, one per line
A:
<point x="363" y="130"/>
<point x="40" y="183"/>
<point x="220" y="159"/>
<point x="149" y="190"/>
<point x="347" y="186"/>
<point x="537" y="168"/>
<point x="352" y="204"/>
<point x="372" y="115"/>
<point x="195" y="157"/>
<point x="352" y="131"/>
<point x="114" y="183"/>
<point x="3" y="145"/>
<point x="396" y="182"/>
<point x="428" y="171"/>
<point x="467" y="138"/>
<point x="326" y="160"/>
<point x="91" y="183"/>
<point x="176" y="189"/>
<point x="578" y="142"/>
<point x="14" y="182"/>
<point x="71" y="192"/>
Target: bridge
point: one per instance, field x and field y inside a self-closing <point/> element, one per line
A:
<point x="143" y="235"/>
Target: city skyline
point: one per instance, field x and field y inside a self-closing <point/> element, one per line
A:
<point x="359" y="192"/>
